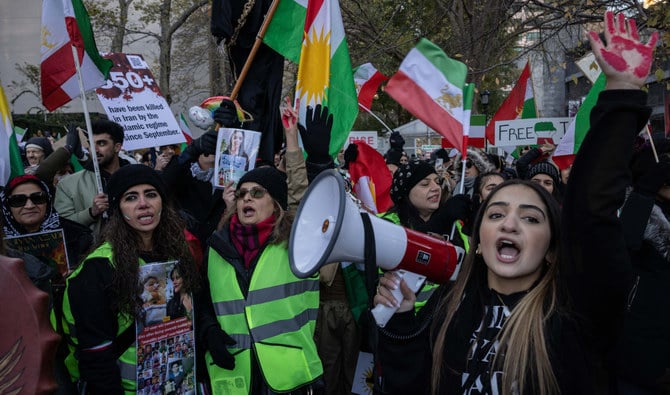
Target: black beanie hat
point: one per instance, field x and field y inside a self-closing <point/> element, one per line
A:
<point x="42" y="143"/>
<point x="406" y="177"/>
<point x="273" y="180"/>
<point x="128" y="176"/>
<point x="544" y="168"/>
<point x="393" y="157"/>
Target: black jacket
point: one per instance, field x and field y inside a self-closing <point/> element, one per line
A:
<point x="596" y="268"/>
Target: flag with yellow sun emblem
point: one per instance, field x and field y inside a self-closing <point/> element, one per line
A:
<point x="311" y="33"/>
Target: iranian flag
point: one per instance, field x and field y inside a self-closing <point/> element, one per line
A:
<point x="519" y="104"/>
<point x="65" y="23"/>
<point x="311" y="33"/>
<point x="468" y="95"/>
<point x="565" y="153"/>
<point x="11" y="164"/>
<point x="367" y="80"/>
<point x="430" y="85"/>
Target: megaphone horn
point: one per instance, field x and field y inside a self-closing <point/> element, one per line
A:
<point x="328" y="228"/>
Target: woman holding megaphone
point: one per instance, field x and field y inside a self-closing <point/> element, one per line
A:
<point x="536" y="305"/>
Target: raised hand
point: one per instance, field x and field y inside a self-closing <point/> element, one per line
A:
<point x="625" y="60"/>
<point x="316" y="134"/>
<point x="289" y="119"/>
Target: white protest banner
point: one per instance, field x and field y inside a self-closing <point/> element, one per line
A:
<point x="370" y="138"/>
<point x="165" y="336"/>
<point x="235" y="155"/>
<point x="530" y="131"/>
<point x="131" y="98"/>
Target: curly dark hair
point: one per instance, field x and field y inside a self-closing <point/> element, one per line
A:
<point x="168" y="239"/>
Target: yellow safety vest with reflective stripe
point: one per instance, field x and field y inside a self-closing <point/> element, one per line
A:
<point x="275" y="322"/>
<point x="128" y="360"/>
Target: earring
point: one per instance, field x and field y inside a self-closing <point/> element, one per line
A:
<point x="478" y="251"/>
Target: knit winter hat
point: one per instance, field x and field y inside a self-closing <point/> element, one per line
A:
<point x="42" y="143"/>
<point x="544" y="167"/>
<point x="127" y="177"/>
<point x="478" y="158"/>
<point x="273" y="180"/>
<point x="406" y="177"/>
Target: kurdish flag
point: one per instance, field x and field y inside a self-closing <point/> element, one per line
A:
<point x="10" y="156"/>
<point x="430" y="85"/>
<point x="367" y="80"/>
<point x="519" y="104"/>
<point x="311" y="33"/>
<point x="65" y="23"/>
<point x="565" y="153"/>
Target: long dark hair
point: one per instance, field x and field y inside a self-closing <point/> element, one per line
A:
<point x="523" y="354"/>
<point x="168" y="240"/>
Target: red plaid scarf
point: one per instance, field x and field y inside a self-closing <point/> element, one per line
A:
<point x="248" y="239"/>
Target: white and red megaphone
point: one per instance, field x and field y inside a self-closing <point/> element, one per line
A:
<point x="329" y="228"/>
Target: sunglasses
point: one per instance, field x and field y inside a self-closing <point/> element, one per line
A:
<point x="256" y="193"/>
<point x="20" y="200"/>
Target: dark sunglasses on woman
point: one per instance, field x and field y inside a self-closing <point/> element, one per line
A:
<point x="21" y="200"/>
<point x="256" y="192"/>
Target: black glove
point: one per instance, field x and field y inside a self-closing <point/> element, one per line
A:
<point x="350" y="154"/>
<point x="654" y="178"/>
<point x="217" y="342"/>
<point x="316" y="135"/>
<point x="205" y="144"/>
<point x="226" y="115"/>
<point x="72" y="142"/>
<point x="396" y="141"/>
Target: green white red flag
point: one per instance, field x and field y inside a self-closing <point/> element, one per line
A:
<point x="371" y="178"/>
<point x="468" y="95"/>
<point x="65" y="23"/>
<point x="519" y="104"/>
<point x="11" y="164"/>
<point x="430" y="85"/>
<point x="311" y="33"/>
<point x="367" y="80"/>
<point x="566" y="150"/>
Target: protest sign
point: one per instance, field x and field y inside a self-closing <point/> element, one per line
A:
<point x="131" y="98"/>
<point x="530" y="131"/>
<point x="369" y="138"/>
<point x="235" y="155"/>
<point x="165" y="335"/>
<point x="48" y="246"/>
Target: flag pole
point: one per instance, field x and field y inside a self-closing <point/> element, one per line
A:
<point x="254" y="49"/>
<point x="87" y="117"/>
<point x="375" y="117"/>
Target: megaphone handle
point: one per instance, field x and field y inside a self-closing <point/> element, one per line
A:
<point x="384" y="313"/>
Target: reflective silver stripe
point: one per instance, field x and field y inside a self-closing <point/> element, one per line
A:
<point x="230" y="307"/>
<point x="128" y="371"/>
<point x="243" y="340"/>
<point x="282" y="291"/>
<point x="284" y="326"/>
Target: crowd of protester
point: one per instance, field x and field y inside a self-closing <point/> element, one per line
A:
<point x="558" y="292"/>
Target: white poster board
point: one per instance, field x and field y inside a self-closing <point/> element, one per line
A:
<point x="530" y="131"/>
<point x="370" y="138"/>
<point x="131" y="98"/>
<point x="236" y="154"/>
